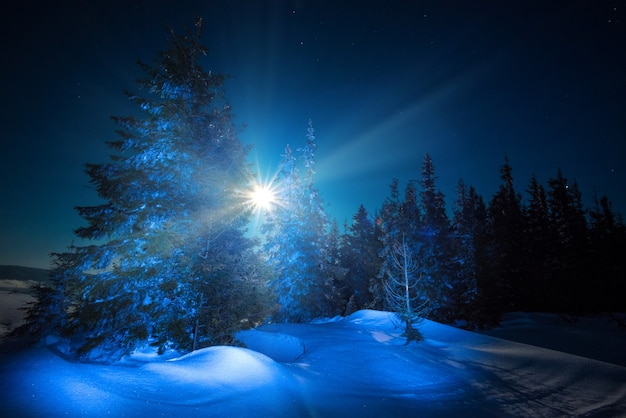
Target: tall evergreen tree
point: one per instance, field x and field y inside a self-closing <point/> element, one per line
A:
<point x="571" y="250"/>
<point x="608" y="257"/>
<point x="171" y="225"/>
<point x="335" y="272"/>
<point x="502" y="288"/>
<point x="47" y="314"/>
<point x="283" y="225"/>
<point x="540" y="244"/>
<point x="432" y="200"/>
<point x="469" y="224"/>
<point x="360" y="249"/>
<point x="392" y="229"/>
<point x="434" y="238"/>
<point x="297" y="242"/>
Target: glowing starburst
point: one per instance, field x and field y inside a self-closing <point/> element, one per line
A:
<point x="262" y="197"/>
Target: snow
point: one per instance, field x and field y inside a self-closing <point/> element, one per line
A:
<point x="354" y="366"/>
<point x="598" y="337"/>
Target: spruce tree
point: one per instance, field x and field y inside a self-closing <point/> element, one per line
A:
<point x="169" y="235"/>
<point x="297" y="242"/>
<point x="469" y="223"/>
<point x="404" y="232"/>
<point x="47" y="314"/>
<point x="570" y="262"/>
<point x="392" y="229"/>
<point x="282" y="227"/>
<point x="608" y="257"/>
<point x="360" y="249"/>
<point x="410" y="213"/>
<point x="540" y="246"/>
<point x="503" y="284"/>
<point x="335" y="272"/>
<point x="435" y="253"/>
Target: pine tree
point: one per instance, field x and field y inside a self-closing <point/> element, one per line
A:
<point x="391" y="225"/>
<point x="360" y="249"/>
<point x="297" y="242"/>
<point x="504" y="282"/>
<point x="410" y="215"/>
<point x="47" y="314"/>
<point x="608" y="257"/>
<point x="334" y="271"/>
<point x="172" y="220"/>
<point x="469" y="224"/>
<point x="433" y="237"/>
<point x="283" y="225"/>
<point x="326" y="233"/>
<point x="540" y="240"/>
<point x="570" y="256"/>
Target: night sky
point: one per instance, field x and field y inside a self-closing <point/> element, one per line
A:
<point x="384" y="82"/>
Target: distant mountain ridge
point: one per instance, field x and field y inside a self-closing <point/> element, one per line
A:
<point x="21" y="273"/>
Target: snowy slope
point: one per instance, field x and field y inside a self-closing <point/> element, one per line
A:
<point x="356" y="366"/>
<point x="599" y="337"/>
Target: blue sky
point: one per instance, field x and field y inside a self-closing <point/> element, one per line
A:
<point x="384" y="83"/>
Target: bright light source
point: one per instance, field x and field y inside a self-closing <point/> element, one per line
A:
<point x="262" y="197"/>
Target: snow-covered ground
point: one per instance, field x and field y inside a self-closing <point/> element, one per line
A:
<point x="352" y="367"/>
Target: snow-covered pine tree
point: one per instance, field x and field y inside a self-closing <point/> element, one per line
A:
<point x="297" y="242"/>
<point x="169" y="235"/>
<point x="331" y="276"/>
<point x="281" y="229"/>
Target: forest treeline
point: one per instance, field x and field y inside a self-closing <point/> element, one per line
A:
<point x="537" y="251"/>
<point x="541" y="251"/>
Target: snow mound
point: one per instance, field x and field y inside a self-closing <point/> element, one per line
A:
<point x="280" y="347"/>
<point x="218" y="366"/>
<point x="370" y="317"/>
<point x="215" y="374"/>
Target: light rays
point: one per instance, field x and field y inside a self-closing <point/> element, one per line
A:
<point x="262" y="198"/>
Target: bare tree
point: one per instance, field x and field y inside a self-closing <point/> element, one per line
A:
<point x="401" y="288"/>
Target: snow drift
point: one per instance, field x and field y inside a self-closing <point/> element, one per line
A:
<point x="355" y="366"/>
